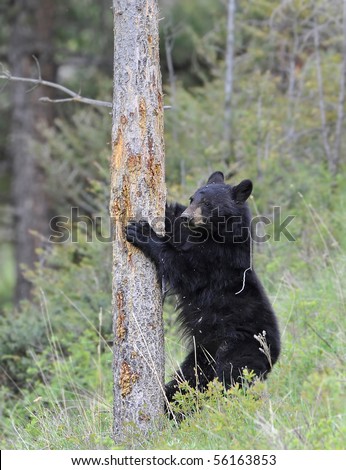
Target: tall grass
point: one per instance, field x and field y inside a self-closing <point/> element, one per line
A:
<point x="68" y="402"/>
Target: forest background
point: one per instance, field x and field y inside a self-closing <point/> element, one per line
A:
<point x="287" y="135"/>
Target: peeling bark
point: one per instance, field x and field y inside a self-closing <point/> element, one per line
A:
<point x="137" y="191"/>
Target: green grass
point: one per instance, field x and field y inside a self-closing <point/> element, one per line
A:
<point x="300" y="406"/>
<point x="62" y="398"/>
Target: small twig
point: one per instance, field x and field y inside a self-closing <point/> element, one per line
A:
<point x="247" y="269"/>
<point x="79" y="99"/>
<point x="265" y="348"/>
<point x="39" y="74"/>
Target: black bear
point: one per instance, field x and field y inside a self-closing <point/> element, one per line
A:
<point x="205" y="257"/>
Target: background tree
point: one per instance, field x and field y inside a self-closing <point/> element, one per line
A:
<point x="31" y="36"/>
<point x="229" y="80"/>
<point x="137" y="191"/>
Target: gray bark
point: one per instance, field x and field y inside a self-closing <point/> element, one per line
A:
<point x="341" y="101"/>
<point x="229" y="79"/>
<point x="322" y="104"/>
<point x="169" y="42"/>
<point x="137" y="191"/>
<point x="31" y="34"/>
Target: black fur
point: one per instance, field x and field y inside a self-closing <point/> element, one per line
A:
<point x="204" y="257"/>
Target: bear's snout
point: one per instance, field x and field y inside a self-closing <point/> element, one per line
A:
<point x="193" y="216"/>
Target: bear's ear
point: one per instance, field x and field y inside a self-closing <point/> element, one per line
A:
<point x="242" y="191"/>
<point x="216" y="178"/>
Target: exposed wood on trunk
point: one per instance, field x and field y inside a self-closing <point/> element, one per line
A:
<point x="137" y="191"/>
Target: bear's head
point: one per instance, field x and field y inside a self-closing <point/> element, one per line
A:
<point x="218" y="204"/>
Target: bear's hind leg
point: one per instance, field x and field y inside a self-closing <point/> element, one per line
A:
<point x="232" y="359"/>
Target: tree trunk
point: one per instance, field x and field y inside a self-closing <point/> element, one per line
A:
<point x="341" y="101"/>
<point x="31" y="34"/>
<point x="137" y="191"/>
<point x="228" y="134"/>
<point x="322" y="104"/>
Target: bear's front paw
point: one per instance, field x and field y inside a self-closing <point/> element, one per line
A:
<point x="139" y="233"/>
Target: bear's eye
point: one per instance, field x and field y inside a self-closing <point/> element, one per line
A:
<point x="206" y="203"/>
